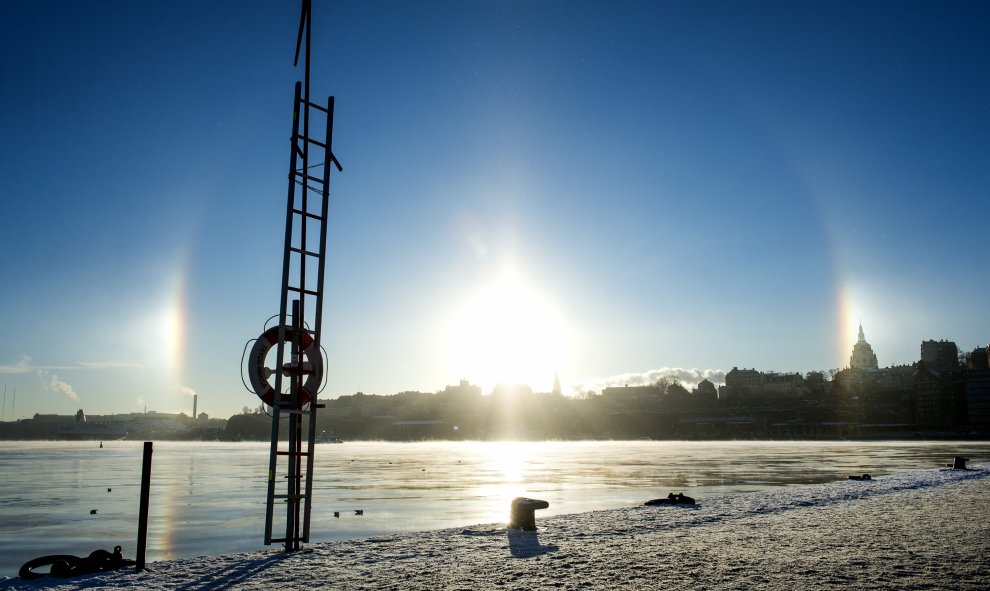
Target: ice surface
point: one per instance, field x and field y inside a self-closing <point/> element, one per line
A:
<point x="918" y="530"/>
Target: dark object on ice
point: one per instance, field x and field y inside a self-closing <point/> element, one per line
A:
<point x="92" y="511"/>
<point x="142" y="537"/>
<point x="359" y="511"/>
<point x="863" y="477"/>
<point x="336" y="513"/>
<point x="672" y="499"/>
<point x="958" y="463"/>
<point x="64" y="566"/>
<point x="27" y="569"/>
<point x="523" y="513"/>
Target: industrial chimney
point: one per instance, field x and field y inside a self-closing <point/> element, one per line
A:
<point x="195" y="400"/>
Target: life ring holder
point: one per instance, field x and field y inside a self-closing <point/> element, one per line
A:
<point x="259" y="374"/>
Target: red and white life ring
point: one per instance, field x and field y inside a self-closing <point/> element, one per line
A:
<point x="312" y="365"/>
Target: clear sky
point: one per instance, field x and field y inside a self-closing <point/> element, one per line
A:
<point x="602" y="189"/>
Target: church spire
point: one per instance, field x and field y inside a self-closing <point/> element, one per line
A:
<point x="556" y="384"/>
<point x="863" y="356"/>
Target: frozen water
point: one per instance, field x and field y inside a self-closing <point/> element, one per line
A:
<point x="916" y="530"/>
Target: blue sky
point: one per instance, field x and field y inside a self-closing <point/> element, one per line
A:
<point x="603" y="190"/>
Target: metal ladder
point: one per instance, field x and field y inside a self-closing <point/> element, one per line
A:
<point x="307" y="206"/>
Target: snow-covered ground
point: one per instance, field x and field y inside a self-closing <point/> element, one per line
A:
<point x="919" y="530"/>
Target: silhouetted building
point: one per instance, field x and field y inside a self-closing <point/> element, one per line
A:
<point x="977" y="359"/>
<point x="934" y="398"/>
<point x="463" y="390"/>
<point x="740" y="381"/>
<point x="782" y="383"/>
<point x="706" y="390"/>
<point x="977" y="385"/>
<point x="942" y="356"/>
<point x="743" y="382"/>
<point x="978" y="397"/>
<point x="862" y="356"/>
<point x="882" y="396"/>
<point x="815" y="382"/>
<point x="460" y="404"/>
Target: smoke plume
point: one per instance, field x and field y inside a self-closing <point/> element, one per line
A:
<point x="689" y="378"/>
<point x="51" y="381"/>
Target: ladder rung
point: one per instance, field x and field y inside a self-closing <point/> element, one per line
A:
<point x="292" y="453"/>
<point x="305" y="252"/>
<point x="303" y="291"/>
<point x="312" y="141"/>
<point x="315" y="106"/>
<point x="282" y="540"/>
<point x="311" y="216"/>
<point x="292" y="411"/>
<point x="309" y="177"/>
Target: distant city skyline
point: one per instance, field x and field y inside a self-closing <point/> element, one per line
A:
<point x="591" y="190"/>
<point x="689" y="378"/>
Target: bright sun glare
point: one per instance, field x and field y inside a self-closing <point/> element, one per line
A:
<point x="506" y="332"/>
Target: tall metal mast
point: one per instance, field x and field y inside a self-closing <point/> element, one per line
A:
<point x="300" y="317"/>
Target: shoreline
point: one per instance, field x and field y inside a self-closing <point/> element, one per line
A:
<point x="917" y="530"/>
<point x="908" y="436"/>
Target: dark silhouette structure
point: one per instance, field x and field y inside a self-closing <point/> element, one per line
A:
<point x="298" y="328"/>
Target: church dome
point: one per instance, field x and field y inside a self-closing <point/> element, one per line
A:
<point x="863" y="356"/>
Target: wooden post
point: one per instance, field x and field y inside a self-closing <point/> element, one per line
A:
<point x="142" y="541"/>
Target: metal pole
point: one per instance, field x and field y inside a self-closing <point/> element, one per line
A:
<point x="142" y="541"/>
<point x="292" y="498"/>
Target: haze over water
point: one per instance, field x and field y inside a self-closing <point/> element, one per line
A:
<point x="208" y="498"/>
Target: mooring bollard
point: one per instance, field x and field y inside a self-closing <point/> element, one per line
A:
<point x="959" y="463"/>
<point x="523" y="513"/>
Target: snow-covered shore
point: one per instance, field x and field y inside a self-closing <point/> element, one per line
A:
<point x="919" y="530"/>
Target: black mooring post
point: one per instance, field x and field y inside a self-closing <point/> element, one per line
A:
<point x="142" y="541"/>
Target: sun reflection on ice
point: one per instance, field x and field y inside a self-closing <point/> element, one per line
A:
<point x="502" y="468"/>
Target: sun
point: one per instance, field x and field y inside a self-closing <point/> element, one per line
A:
<point x="507" y="332"/>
